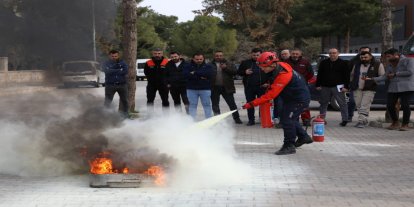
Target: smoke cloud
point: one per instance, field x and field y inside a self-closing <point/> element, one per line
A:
<point x="61" y="135"/>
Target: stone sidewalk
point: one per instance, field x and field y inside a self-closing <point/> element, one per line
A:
<point x="352" y="167"/>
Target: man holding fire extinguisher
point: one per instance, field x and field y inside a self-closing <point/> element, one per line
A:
<point x="294" y="92"/>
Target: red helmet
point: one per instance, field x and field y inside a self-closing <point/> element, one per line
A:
<point x="266" y="59"/>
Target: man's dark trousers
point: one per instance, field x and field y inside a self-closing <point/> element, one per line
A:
<point x="152" y="91"/>
<point x="392" y="99"/>
<point x="252" y="93"/>
<point x="289" y="118"/>
<point x="228" y="97"/>
<point x="179" y="93"/>
<point x="122" y="89"/>
<point x="351" y="105"/>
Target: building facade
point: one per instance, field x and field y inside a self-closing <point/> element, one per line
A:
<point x="403" y="25"/>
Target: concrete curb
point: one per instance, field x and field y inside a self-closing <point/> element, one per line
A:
<point x="24" y="90"/>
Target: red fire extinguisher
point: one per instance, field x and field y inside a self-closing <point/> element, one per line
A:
<point x="318" y="129"/>
<point x="265" y="117"/>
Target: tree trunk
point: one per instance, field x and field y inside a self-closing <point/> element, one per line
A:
<point x="129" y="43"/>
<point x="387" y="43"/>
<point x="298" y="42"/>
<point x="338" y="43"/>
<point x="347" y="40"/>
<point x="386" y="20"/>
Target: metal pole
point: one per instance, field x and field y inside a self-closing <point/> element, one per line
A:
<point x="93" y="28"/>
<point x="4" y="64"/>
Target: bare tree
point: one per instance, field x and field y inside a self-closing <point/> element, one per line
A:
<point x="386" y="25"/>
<point x="387" y="40"/>
<point x="129" y="43"/>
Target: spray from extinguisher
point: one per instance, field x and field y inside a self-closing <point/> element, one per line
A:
<point x="318" y="129"/>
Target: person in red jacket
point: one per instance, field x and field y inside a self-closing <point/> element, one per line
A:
<point x="293" y="90"/>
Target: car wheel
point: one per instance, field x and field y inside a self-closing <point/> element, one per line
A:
<point x="97" y="83"/>
<point x="334" y="104"/>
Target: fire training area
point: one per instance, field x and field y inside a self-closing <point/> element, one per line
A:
<point x="352" y="167"/>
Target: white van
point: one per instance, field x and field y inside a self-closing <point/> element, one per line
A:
<point x="140" y="69"/>
<point x="82" y="72"/>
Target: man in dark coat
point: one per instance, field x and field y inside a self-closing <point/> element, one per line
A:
<point x="176" y="81"/>
<point x="223" y="84"/>
<point x="155" y="70"/>
<point x="254" y="81"/>
<point x="116" y="71"/>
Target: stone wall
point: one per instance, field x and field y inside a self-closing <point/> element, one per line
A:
<point x="25" y="76"/>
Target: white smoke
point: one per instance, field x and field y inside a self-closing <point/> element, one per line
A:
<point x="21" y="154"/>
<point x="202" y="156"/>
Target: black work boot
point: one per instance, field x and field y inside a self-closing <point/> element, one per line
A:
<point x="238" y="120"/>
<point x="286" y="150"/>
<point x="343" y="123"/>
<point x="301" y="141"/>
<point x="250" y="123"/>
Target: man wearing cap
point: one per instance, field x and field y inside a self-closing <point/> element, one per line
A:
<point x="155" y="71"/>
<point x="293" y="90"/>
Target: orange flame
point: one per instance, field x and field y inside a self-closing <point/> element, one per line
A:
<point x="101" y="166"/>
<point x="104" y="165"/>
<point x="158" y="173"/>
<point x="125" y="170"/>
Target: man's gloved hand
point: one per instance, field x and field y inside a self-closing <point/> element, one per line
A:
<point x="248" y="105"/>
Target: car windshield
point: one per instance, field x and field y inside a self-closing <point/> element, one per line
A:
<point x="78" y="68"/>
<point x="408" y="49"/>
<point x="141" y="65"/>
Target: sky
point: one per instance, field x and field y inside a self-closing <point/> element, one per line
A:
<point x="180" y="8"/>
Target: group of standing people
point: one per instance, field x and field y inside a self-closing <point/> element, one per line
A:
<point x="354" y="83"/>
<point x="267" y="77"/>
<point x="189" y="82"/>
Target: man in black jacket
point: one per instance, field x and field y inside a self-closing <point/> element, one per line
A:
<point x="333" y="81"/>
<point x="223" y="84"/>
<point x="155" y="70"/>
<point x="116" y="71"/>
<point x="254" y="81"/>
<point x="176" y="81"/>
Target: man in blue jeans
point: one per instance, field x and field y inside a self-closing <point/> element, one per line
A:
<point x="199" y="75"/>
<point x="293" y="90"/>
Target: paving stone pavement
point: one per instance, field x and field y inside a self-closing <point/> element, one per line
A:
<point x="352" y="167"/>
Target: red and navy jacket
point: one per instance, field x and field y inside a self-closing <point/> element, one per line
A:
<point x="287" y="84"/>
<point x="302" y="66"/>
<point x="155" y="70"/>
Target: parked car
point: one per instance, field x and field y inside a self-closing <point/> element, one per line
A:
<point x="346" y="56"/>
<point x="408" y="49"/>
<point x="381" y="92"/>
<point x="82" y="72"/>
<point x="140" y="69"/>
